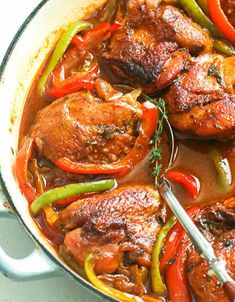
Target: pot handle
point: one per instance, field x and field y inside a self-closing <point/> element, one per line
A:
<point x="35" y="266"/>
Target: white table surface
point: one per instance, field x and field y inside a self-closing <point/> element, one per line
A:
<point x="12" y="237"/>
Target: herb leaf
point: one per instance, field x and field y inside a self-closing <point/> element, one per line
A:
<point x="156" y="154"/>
<point x="157" y="170"/>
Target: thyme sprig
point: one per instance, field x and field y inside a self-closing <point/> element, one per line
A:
<point x="156" y="153"/>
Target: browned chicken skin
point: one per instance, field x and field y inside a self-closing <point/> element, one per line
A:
<point x="202" y="100"/>
<point x="86" y="128"/>
<point x="221" y="223"/>
<point x="123" y="220"/>
<point x="152" y="50"/>
<point x="150" y="40"/>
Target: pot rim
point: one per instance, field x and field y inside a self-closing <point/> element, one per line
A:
<point x="72" y="274"/>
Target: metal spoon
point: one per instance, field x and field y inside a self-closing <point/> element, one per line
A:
<point x="202" y="245"/>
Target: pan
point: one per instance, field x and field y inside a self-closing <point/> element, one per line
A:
<point x="23" y="58"/>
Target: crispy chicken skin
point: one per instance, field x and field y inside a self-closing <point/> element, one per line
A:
<point x="202" y="100"/>
<point x="220" y="231"/>
<point x="125" y="220"/>
<point x="86" y="128"/>
<point x="143" y="49"/>
<point x="205" y="287"/>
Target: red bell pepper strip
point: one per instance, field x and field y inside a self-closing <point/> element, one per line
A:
<point x="220" y="20"/>
<point x="66" y="201"/>
<point x="70" y="61"/>
<point x="98" y="34"/>
<point x="174" y="238"/>
<point x="77" y="41"/>
<point x="21" y="169"/>
<point x="91" y="39"/>
<point x="81" y="168"/>
<point x="70" y="88"/>
<point x="176" y="280"/>
<point x="125" y="165"/>
<point x="115" y="26"/>
<point x="58" y="76"/>
<point x="190" y="182"/>
<point x="59" y="50"/>
<point x="73" y="83"/>
<point x="156" y="278"/>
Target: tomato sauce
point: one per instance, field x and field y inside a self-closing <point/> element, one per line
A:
<point x="229" y="9"/>
<point x="191" y="155"/>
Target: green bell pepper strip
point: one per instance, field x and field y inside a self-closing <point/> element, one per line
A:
<point x="224" y="47"/>
<point x="220" y="45"/>
<point x="195" y="12"/>
<point x="158" y="286"/>
<point x="222" y="174"/>
<point x="61" y="193"/>
<point x="172" y="2"/>
<point x="60" y="48"/>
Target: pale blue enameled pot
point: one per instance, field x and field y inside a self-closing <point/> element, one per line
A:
<point x="24" y="56"/>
